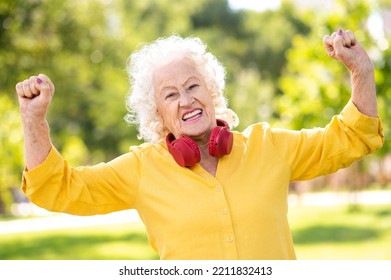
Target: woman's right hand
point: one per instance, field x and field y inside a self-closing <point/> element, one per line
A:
<point x="35" y="95"/>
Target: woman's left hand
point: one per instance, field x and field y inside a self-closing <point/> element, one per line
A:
<point x="344" y="47"/>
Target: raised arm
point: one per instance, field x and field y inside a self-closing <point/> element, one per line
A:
<point x="35" y="95"/>
<point x="344" y="47"/>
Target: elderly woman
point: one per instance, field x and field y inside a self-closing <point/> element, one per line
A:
<point x="202" y="190"/>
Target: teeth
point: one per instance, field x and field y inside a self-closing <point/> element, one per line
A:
<point x="191" y="114"/>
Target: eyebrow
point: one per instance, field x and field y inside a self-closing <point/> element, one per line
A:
<point x="164" y="88"/>
<point x="167" y="88"/>
<point x="192" y="77"/>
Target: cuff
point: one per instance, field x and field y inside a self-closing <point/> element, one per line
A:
<point x="369" y="129"/>
<point x="32" y="179"/>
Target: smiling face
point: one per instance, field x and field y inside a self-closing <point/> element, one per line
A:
<point x="184" y="103"/>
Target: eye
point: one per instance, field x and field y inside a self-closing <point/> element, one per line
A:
<point x="170" y="95"/>
<point x="192" y="86"/>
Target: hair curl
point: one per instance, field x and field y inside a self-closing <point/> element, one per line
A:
<point x="141" y="102"/>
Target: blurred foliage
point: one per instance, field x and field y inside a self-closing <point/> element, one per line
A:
<point x="277" y="70"/>
<point x="11" y="150"/>
<point x="314" y="86"/>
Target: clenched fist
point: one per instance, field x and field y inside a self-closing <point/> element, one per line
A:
<point x="344" y="47"/>
<point x="35" y="95"/>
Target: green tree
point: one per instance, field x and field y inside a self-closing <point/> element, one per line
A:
<point x="71" y="42"/>
<point x="11" y="150"/>
<point x="314" y="86"/>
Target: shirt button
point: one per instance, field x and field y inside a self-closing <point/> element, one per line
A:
<point x="218" y="188"/>
<point x="230" y="239"/>
<point x="224" y="211"/>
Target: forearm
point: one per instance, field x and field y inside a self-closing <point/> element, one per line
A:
<point x="37" y="143"/>
<point x="364" y="92"/>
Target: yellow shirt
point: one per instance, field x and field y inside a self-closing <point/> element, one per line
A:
<point x="241" y="213"/>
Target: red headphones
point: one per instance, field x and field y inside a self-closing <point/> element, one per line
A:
<point x="186" y="152"/>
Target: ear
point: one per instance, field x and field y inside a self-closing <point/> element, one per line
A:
<point x="159" y="117"/>
<point x="160" y="120"/>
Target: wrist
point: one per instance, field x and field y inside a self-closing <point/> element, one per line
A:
<point x="365" y="70"/>
<point x="32" y="120"/>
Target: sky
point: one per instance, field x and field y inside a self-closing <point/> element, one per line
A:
<point x="375" y="22"/>
<point x="258" y="5"/>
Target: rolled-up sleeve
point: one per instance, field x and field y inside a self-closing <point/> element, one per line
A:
<point x="319" y="151"/>
<point x="368" y="129"/>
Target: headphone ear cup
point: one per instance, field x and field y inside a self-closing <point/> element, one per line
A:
<point x="221" y="141"/>
<point x="184" y="150"/>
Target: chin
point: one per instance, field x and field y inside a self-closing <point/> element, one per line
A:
<point x="197" y="129"/>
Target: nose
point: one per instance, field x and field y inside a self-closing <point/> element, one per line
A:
<point x="186" y="99"/>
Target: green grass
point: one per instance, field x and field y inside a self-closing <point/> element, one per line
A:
<point x="318" y="232"/>
<point x="342" y="233"/>
<point x="125" y="241"/>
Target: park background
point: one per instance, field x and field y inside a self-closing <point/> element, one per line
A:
<point x="277" y="71"/>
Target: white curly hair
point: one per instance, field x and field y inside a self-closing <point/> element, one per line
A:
<point x="141" y="102"/>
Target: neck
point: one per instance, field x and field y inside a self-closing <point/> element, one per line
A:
<point x="208" y="162"/>
<point x="204" y="146"/>
<point x="203" y="141"/>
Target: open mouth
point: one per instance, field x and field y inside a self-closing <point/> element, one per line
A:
<point x="192" y="115"/>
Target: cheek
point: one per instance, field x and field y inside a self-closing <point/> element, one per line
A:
<point x="168" y="114"/>
<point x="208" y="102"/>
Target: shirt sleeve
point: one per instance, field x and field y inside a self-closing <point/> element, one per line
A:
<point x="320" y="151"/>
<point x="88" y="190"/>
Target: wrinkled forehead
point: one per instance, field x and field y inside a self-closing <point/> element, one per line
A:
<point x="174" y="72"/>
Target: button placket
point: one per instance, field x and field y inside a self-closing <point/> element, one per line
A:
<point x="228" y="236"/>
<point x="222" y="217"/>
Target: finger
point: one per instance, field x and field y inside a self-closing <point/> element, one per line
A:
<point x="339" y="40"/>
<point x="339" y="46"/>
<point x="33" y="88"/>
<point x="26" y="89"/>
<point x="327" y="40"/>
<point x="352" y="38"/>
<point x="341" y="37"/>
<point x="19" y="89"/>
<point x="48" y="82"/>
<point x="45" y="88"/>
<point x="44" y="78"/>
<point x="328" y="45"/>
<point x="347" y="40"/>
